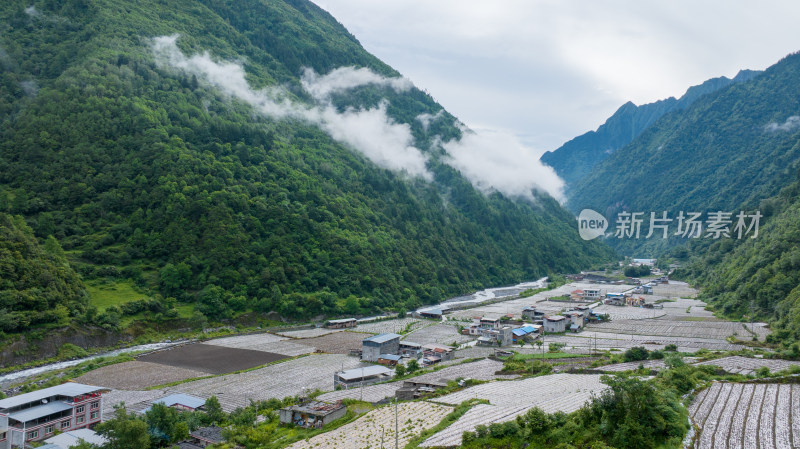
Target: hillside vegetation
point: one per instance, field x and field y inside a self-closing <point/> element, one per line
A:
<point x="150" y="174"/>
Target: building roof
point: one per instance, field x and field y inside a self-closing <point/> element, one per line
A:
<point x="316" y="408"/>
<point x="186" y="445"/>
<point x="554" y="318"/>
<point x="39" y="411"/>
<point x="70" y="389"/>
<point x="211" y="433"/>
<point x="381" y="338"/>
<point x="432" y="311"/>
<point x="410" y="344"/>
<point x="72" y="438"/>
<point x="577" y="292"/>
<point x="574" y="326"/>
<point x="396" y="358"/>
<point x="49" y="446"/>
<point x="185" y="400"/>
<point x="367" y="371"/>
<point x="490" y="319"/>
<point x="437" y="348"/>
<point x="343" y="320"/>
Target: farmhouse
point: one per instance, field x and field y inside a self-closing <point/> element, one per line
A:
<point x="206" y="436"/>
<point x="555" y="323"/>
<point x="525" y="333"/>
<point x="362" y="376"/>
<point x="389" y="359"/>
<point x="410" y="349"/>
<point x="443" y="352"/>
<point x="312" y="414"/>
<point x="489" y="323"/>
<point x="532" y="314"/>
<point x="413" y="389"/>
<point x="434" y="314"/>
<point x="379" y="344"/>
<point x="341" y="324"/>
<point x="591" y="294"/>
<point x="39" y="414"/>
<point x="496" y="337"/>
<point x="180" y="401"/>
<point x="615" y="299"/>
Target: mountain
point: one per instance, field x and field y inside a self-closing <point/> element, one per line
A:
<point x="726" y="152"/>
<point x="230" y="157"/>
<point x="577" y="157"/>
<point x="37" y="284"/>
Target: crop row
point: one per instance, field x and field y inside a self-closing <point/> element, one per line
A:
<point x="531" y="391"/>
<point x="481" y="414"/>
<point x="745" y="365"/>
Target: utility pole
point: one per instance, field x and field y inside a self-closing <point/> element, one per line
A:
<point x="396" y="427"/>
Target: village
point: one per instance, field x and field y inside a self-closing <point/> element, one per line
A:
<point x="456" y="350"/>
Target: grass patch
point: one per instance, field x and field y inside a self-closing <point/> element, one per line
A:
<point x="106" y="294"/>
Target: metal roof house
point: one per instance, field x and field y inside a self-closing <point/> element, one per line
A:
<point x="37" y="415"/>
<point x="73" y="437"/>
<point x="362" y="376"/>
<point x="180" y="401"/>
<point x="312" y="414"/>
<point x="410" y="349"/>
<point x="379" y="344"/>
<point x="341" y="324"/>
<point x="435" y="314"/>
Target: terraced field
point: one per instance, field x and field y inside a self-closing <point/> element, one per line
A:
<point x="732" y="415"/>
<point x="745" y="365"/>
<point x="481" y="414"/>
<point x="443" y="334"/>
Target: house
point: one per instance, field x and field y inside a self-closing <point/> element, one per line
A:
<point x="410" y="349"/>
<point x="615" y="299"/>
<point x="532" y="314"/>
<point x="646" y="289"/>
<point x="341" y="324"/>
<point x="414" y="389"/>
<point x="35" y="416"/>
<point x="443" y="352"/>
<point x="312" y="414"/>
<point x="434" y="314"/>
<point x="180" y="401"/>
<point x="496" y="337"/>
<point x="73" y="437"/>
<point x="528" y="332"/>
<point x="379" y="344"/>
<point x="489" y="323"/>
<point x="555" y="323"/>
<point x="576" y="320"/>
<point x="206" y="436"/>
<point x="591" y="294"/>
<point x="576" y="295"/>
<point x="389" y="359"/>
<point x="362" y="376"/>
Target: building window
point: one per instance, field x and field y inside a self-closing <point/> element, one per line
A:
<point x="65" y="424"/>
<point x="94" y="415"/>
<point x="49" y="429"/>
<point x="33" y="434"/>
<point x="80" y="420"/>
<point x="2" y="436"/>
<point x="80" y="409"/>
<point x="95" y="405"/>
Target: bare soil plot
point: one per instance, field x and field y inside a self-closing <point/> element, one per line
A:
<point x="263" y="342"/>
<point x="481" y="414"/>
<point x="137" y="375"/>
<point x="210" y="358"/>
<point x="745" y="365"/>
<point x="554" y="392"/>
<point x="732" y="415"/>
<point x="337" y="343"/>
<point x="443" y="334"/>
<point x="279" y="380"/>
<point x="413" y="418"/>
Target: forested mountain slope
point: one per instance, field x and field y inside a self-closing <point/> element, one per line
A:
<point x="577" y="157"/>
<point x="727" y="151"/>
<point x="182" y="145"/>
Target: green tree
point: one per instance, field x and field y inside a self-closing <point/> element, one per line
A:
<point x="214" y="413"/>
<point x="124" y="431"/>
<point x="165" y="425"/>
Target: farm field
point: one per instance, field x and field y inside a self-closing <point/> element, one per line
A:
<point x="481" y="414"/>
<point x="265" y="343"/>
<point x="655" y="365"/>
<point x="370" y="393"/>
<point x="707" y="330"/>
<point x="443" y="334"/>
<point x="308" y="333"/>
<point x="338" y="343"/>
<point x="413" y="417"/>
<point x="289" y="378"/>
<point x="732" y="415"/>
<point x="137" y="375"/>
<point x="745" y="365"/>
<point x="395" y="326"/>
<point x="584" y="343"/>
<point x="210" y="358"/>
<point x="551" y="393"/>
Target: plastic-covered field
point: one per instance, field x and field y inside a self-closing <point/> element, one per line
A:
<point x="443" y="334"/>
<point x="367" y="431"/>
<point x="481" y="414"/>
<point x="732" y="415"/>
<point x="745" y="365"/>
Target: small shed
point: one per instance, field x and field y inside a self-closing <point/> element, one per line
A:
<point x="312" y="414"/>
<point x="389" y="359"/>
<point x="341" y="324"/>
<point x="435" y="314"/>
<point x="362" y="376"/>
<point x="413" y="389"/>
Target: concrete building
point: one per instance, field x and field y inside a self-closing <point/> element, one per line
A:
<point x="341" y="324"/>
<point x="489" y="323"/>
<point x="312" y="414"/>
<point x="444" y="353"/>
<point x="374" y="346"/>
<point x="367" y="375"/>
<point x="496" y="337"/>
<point x="555" y="323"/>
<point x="591" y="294"/>
<point x="410" y="349"/>
<point x="532" y="314"/>
<point x="35" y="416"/>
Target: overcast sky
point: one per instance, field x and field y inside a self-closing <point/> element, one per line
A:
<point x="547" y="71"/>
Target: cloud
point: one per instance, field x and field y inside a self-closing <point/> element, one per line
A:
<point x="426" y="119"/>
<point x="791" y="124"/>
<point x="344" y="78"/>
<point x="496" y="160"/>
<point x="370" y="131"/>
<point x="32" y="11"/>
